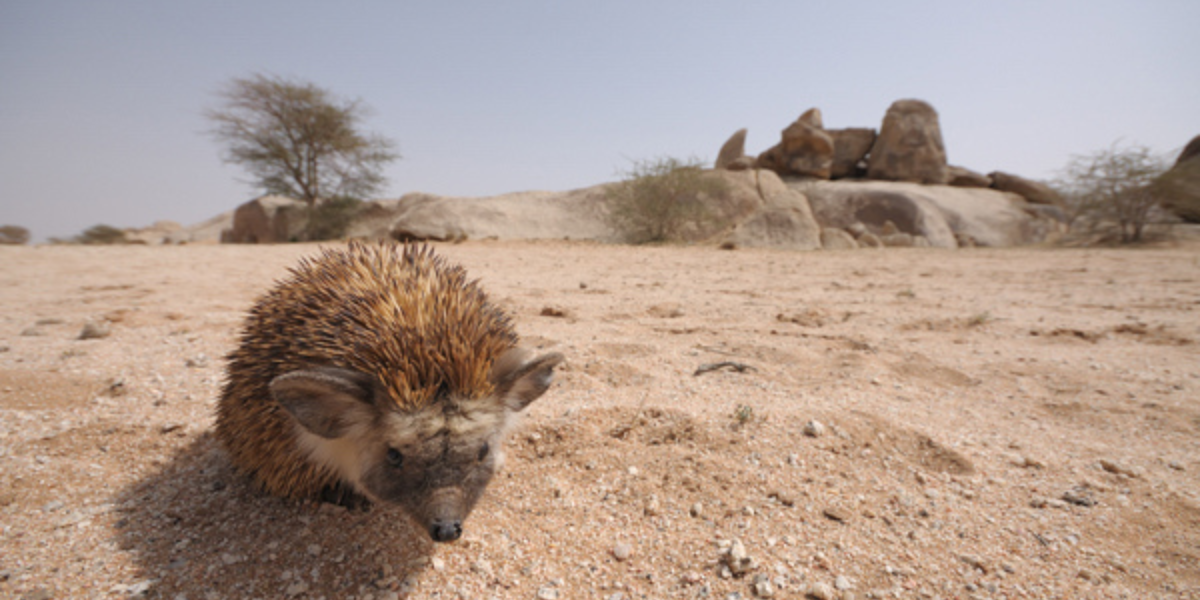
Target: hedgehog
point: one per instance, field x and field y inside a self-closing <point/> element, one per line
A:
<point x="378" y="373"/>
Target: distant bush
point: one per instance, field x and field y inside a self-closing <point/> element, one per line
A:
<point x="1114" y="191"/>
<point x="14" y="235"/>
<point x="100" y="235"/>
<point x="660" y="200"/>
<point x="331" y="218"/>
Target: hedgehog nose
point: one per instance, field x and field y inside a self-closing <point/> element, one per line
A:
<point x="445" y="531"/>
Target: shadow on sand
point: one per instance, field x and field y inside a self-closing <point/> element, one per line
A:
<point x="197" y="529"/>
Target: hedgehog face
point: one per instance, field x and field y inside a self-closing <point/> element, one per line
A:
<point x="434" y="461"/>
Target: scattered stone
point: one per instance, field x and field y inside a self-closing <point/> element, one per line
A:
<point x="1117" y="469"/>
<point x="198" y="362"/>
<point x="1030" y="463"/>
<point x="31" y="332"/>
<point x="763" y="588"/>
<point x="52" y="506"/>
<point x="314" y="550"/>
<point x="296" y="589"/>
<point x="975" y="561"/>
<point x="1079" y="496"/>
<point x="842" y="582"/>
<point x="696" y="510"/>
<point x="737" y="559"/>
<point x="622" y="551"/>
<point x="670" y="310"/>
<point x="94" y="330"/>
<point x="834" y="513"/>
<point x="436" y="563"/>
<point x="820" y="591"/>
<point x="554" y="311"/>
<point x="814" y="429"/>
<point x="1176" y="465"/>
<point x="653" y="507"/>
<point x="547" y="593"/>
<point x="782" y="497"/>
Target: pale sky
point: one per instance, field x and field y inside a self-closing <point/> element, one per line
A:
<point x="101" y="103"/>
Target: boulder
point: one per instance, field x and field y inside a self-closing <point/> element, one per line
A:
<point x="209" y="231"/>
<point x="869" y="240"/>
<point x="1180" y="186"/>
<point x="964" y="177"/>
<point x="781" y="219"/>
<point x="909" y="146"/>
<point x="1190" y="151"/>
<point x="161" y="232"/>
<point x="805" y="150"/>
<point x="850" y="149"/>
<point x="837" y="239"/>
<point x="576" y="214"/>
<point x="732" y="151"/>
<point x="841" y="204"/>
<point x="1033" y="191"/>
<point x="267" y="220"/>
<point x="938" y="213"/>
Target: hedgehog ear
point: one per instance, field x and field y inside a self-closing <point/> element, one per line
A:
<point x="327" y="401"/>
<point x="519" y="381"/>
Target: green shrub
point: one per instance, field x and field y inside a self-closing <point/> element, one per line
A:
<point x="662" y="200"/>
<point x="14" y="235"/>
<point x="101" y="234"/>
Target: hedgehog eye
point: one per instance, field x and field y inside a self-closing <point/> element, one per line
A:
<point x="483" y="452"/>
<point x="395" y="458"/>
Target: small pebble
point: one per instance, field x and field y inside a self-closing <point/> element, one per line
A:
<point x="547" y="593"/>
<point x="696" y="510"/>
<point x="842" y="583"/>
<point x="836" y="514"/>
<point x="314" y="550"/>
<point x="814" y="429"/>
<point x="94" y="330"/>
<point x="622" y="551"/>
<point x="437" y="563"/>
<point x="820" y="591"/>
<point x="296" y="589"/>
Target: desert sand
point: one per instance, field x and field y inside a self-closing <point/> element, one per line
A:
<point x="905" y="423"/>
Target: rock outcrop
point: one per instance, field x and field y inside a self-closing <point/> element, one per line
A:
<point x="909" y="146"/>
<point x="850" y="149"/>
<point x="1180" y="186"/>
<point x="805" y="149"/>
<point x="964" y="177"/>
<point x="733" y="153"/>
<point x="1033" y="191"/>
<point x="161" y="232"/>
<point x="940" y="214"/>
<point x="782" y="217"/>
<point x="266" y="220"/>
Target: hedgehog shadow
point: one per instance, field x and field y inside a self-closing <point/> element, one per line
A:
<point x="197" y="528"/>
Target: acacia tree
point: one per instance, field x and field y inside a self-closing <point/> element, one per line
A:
<point x="1117" y="187"/>
<point x="299" y="140"/>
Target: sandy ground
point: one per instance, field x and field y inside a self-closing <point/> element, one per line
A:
<point x="1017" y="423"/>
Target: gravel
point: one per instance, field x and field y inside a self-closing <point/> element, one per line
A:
<point x="978" y="458"/>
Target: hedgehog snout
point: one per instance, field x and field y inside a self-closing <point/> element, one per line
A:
<point x="445" y="531"/>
